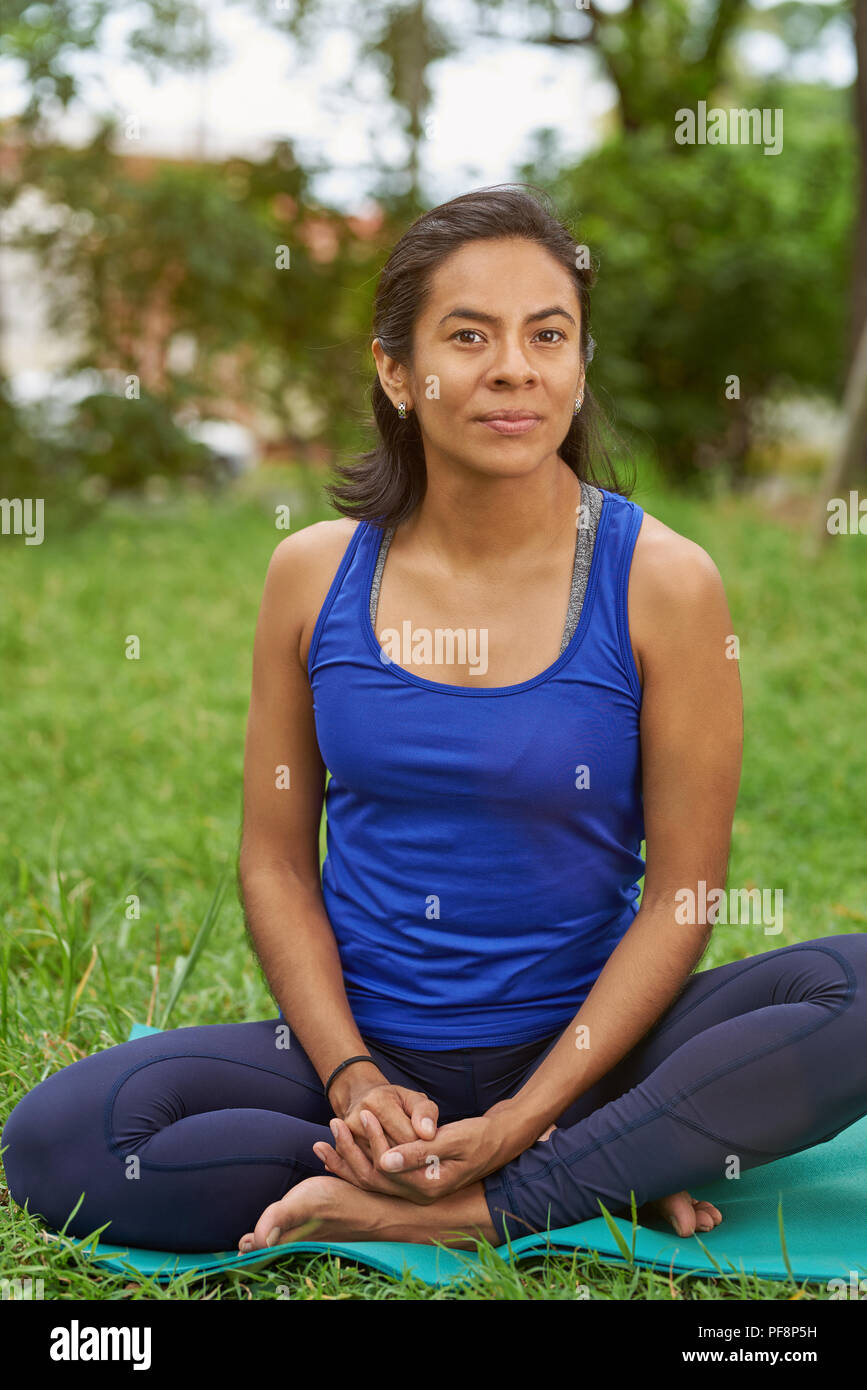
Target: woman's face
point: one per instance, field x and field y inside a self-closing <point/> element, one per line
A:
<point x="500" y="332"/>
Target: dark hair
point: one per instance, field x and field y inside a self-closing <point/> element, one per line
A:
<point x="386" y="484"/>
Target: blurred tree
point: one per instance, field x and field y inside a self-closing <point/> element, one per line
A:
<point x="849" y="464"/>
<point x="43" y="44"/>
<point x="858" y="322"/>
<point x="723" y="277"/>
<point x="45" y="40"/>
<point x="717" y="262"/>
<point x="738" y="228"/>
<point x="235" y="258"/>
<point x="399" y="42"/>
<point x="660" y="55"/>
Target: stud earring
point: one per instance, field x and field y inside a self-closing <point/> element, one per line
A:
<point x="401" y="409"/>
<point x="578" y="402"/>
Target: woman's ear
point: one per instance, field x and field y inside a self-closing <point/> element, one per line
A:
<point x="392" y="375"/>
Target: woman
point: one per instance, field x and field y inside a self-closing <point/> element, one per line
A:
<point x="514" y="676"/>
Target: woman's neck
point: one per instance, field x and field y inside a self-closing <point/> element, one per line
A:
<point x="466" y="521"/>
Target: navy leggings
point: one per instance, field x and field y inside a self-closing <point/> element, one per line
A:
<point x="182" y="1139"/>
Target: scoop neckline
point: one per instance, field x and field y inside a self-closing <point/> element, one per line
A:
<point x="492" y="690"/>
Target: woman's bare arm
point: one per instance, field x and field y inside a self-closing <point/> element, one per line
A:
<point x="279" y="859"/>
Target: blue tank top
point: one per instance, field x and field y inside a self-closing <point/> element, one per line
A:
<point x="483" y="845"/>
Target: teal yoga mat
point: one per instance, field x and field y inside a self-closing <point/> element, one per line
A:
<point x="824" y="1204"/>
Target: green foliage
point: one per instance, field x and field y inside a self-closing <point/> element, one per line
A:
<point x="225" y="256"/>
<point x="128" y="441"/>
<point x="714" y="261"/>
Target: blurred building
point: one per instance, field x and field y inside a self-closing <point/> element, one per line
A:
<point x="36" y="359"/>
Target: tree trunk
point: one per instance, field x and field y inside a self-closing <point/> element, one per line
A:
<point x="859" y="270"/>
<point x="848" y="462"/>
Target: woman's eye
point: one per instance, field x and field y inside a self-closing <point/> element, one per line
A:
<point x="462" y="331"/>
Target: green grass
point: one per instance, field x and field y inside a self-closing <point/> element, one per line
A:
<point x="124" y="777"/>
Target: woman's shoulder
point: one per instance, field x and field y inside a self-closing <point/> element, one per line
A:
<point x="302" y="570"/>
<point x="319" y="545"/>
<point x="674" y="586"/>
<point x="670" y="562"/>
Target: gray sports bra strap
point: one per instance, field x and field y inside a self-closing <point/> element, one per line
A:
<point x="587" y="522"/>
<point x="377" y="574"/>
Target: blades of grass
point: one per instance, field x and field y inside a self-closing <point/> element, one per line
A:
<point x="116" y="907"/>
<point x="207" y="926"/>
<point x="490" y="1266"/>
<point x="155" y="968"/>
<point x="4" y="983"/>
<point x="709" y="1256"/>
<point x="62" y="1230"/>
<point x="616" y="1232"/>
<point x="86" y="1245"/>
<point x="82" y="983"/>
<point x="21" y="896"/>
<point x="68" y="922"/>
<point x="110" y="1000"/>
<point x="23" y="876"/>
<point x="178" y="969"/>
<point x="786" y="1260"/>
<point x="634" y="1210"/>
<point x="44" y="914"/>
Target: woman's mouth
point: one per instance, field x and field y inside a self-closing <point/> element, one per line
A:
<point x="512" y="424"/>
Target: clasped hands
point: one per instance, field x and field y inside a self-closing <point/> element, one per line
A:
<point x="388" y="1141"/>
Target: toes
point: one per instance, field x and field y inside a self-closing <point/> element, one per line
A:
<point x="680" y="1212"/>
<point x="687" y="1215"/>
<point x="269" y="1227"/>
<point x="707" y="1215"/>
<point x="254" y="1241"/>
<point x="297" y="1215"/>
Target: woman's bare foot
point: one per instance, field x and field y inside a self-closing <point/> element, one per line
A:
<point x="687" y="1215"/>
<point x="327" y="1208"/>
<point x="342" y="1211"/>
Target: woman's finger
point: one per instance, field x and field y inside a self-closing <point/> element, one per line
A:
<point x="392" y="1116"/>
<point x="425" y="1114"/>
<point x="409" y="1158"/>
<point x="333" y="1162"/>
<point x="377" y="1139"/>
<point x="358" y="1167"/>
<point x="356" y="1129"/>
<point x="380" y="1144"/>
<point x="346" y="1160"/>
<point x="352" y="1155"/>
<point x="410" y="1184"/>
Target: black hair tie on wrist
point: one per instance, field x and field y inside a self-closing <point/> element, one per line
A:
<point x="347" y="1063"/>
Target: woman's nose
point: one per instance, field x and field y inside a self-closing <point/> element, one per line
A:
<point x="511" y="363"/>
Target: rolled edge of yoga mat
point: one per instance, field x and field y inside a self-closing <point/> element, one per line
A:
<point x="425" y="1262"/>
